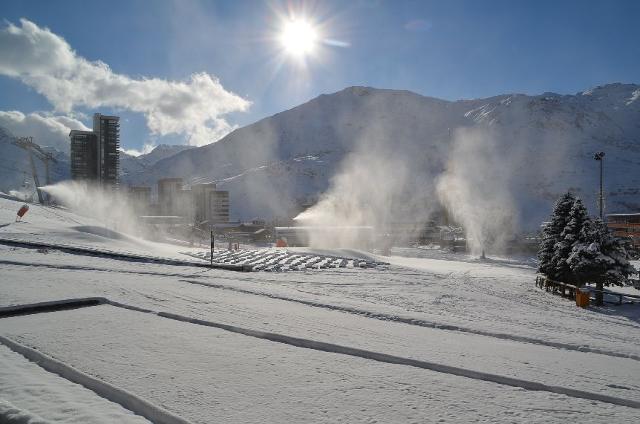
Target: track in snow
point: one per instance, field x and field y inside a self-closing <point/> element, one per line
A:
<point x="101" y="269"/>
<point x="138" y="405"/>
<point x="129" y="401"/>
<point x="53" y="306"/>
<point x="346" y="309"/>
<point x="423" y="323"/>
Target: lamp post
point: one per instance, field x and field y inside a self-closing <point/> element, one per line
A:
<point x="600" y="158"/>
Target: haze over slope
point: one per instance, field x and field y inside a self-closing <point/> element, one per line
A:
<point x="374" y="155"/>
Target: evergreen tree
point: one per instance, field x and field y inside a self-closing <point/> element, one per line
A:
<point x="569" y="236"/>
<point x="599" y="256"/>
<point x="551" y="234"/>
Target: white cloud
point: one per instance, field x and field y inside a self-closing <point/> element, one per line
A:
<point x="46" y="129"/>
<point x="47" y="63"/>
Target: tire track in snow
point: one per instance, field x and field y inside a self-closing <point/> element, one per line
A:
<point x="158" y="415"/>
<point x="423" y="323"/>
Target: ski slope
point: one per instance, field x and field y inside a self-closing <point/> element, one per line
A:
<point x="438" y="338"/>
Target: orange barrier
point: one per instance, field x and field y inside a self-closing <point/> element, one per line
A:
<point x="582" y="298"/>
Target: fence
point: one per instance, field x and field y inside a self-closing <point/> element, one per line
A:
<point x="569" y="290"/>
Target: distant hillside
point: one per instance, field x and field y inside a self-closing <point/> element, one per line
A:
<point x="130" y="164"/>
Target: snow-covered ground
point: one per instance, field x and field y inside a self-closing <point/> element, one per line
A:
<point x="425" y="339"/>
<point x="29" y="394"/>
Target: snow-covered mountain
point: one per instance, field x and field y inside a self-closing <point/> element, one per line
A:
<point x="400" y="151"/>
<point x="162" y="151"/>
<point x="130" y="164"/>
<point x="531" y="148"/>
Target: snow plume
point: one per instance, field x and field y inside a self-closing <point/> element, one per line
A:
<point x="475" y="188"/>
<point x="111" y="208"/>
<point x="378" y="185"/>
<point x="46" y="62"/>
<point x="22" y="194"/>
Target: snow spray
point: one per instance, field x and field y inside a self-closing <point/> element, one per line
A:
<point x="475" y="190"/>
<point x="109" y="207"/>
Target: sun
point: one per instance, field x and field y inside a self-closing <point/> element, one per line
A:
<point x="299" y="38"/>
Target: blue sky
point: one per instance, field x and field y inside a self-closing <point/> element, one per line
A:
<point x="451" y="50"/>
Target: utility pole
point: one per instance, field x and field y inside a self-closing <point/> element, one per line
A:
<point x="600" y="158"/>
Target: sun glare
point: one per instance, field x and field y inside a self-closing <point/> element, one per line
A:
<point x="299" y="38"/>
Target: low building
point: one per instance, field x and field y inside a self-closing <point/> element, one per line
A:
<point x="626" y="225"/>
<point x="220" y="206"/>
<point x="211" y="206"/>
<point x="201" y="199"/>
<point x="248" y="232"/>
<point x="140" y="198"/>
<point x="170" y="196"/>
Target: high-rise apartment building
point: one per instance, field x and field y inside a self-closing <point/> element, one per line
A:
<point x="107" y="131"/>
<point x="95" y="154"/>
<point x="84" y="155"/>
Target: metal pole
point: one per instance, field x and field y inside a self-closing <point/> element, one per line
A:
<point x="600" y="157"/>
<point x="601" y="192"/>
<point x="212" y="243"/>
<point x="46" y="170"/>
<point x="36" y="181"/>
